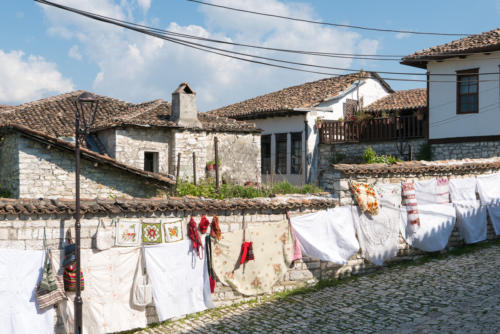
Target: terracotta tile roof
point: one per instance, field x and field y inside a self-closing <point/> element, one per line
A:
<point x="140" y="206"/>
<point x="55" y="117"/>
<point x="4" y="106"/>
<point x="419" y="167"/>
<point x="285" y="101"/>
<point x="159" y="179"/>
<point x="400" y="100"/>
<point x="485" y="42"/>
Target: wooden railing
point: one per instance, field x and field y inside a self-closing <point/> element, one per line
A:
<point x="372" y="130"/>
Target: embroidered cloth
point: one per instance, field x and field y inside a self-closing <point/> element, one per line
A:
<point x="434" y="191"/>
<point x="151" y="233"/>
<point x="107" y="307"/>
<point x="389" y="194"/>
<point x="365" y="196"/>
<point x="173" y="230"/>
<point x="408" y="189"/>
<point x="327" y="235"/>
<point x="179" y="278"/>
<point x="128" y="233"/>
<point x="436" y="224"/>
<point x="273" y="250"/>
<point x="20" y="271"/>
<point x="378" y="235"/>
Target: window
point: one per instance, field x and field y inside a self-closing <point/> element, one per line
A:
<point x="281" y="141"/>
<point x="151" y="162"/>
<point x="467" y="91"/>
<point x="265" y="154"/>
<point x="350" y="108"/>
<point x="296" y="161"/>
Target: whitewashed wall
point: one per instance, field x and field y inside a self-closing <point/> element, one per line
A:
<point x="444" y="121"/>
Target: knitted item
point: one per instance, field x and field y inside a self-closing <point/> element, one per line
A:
<point x="365" y="196"/>
<point x="204" y="223"/>
<point x="195" y="238"/>
<point x="215" y="231"/>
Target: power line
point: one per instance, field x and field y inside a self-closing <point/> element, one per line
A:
<point x="328" y="23"/>
<point x="229" y="53"/>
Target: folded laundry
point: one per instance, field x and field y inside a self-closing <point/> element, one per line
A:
<point x="180" y="279"/>
<point x="327" y="235"/>
<point x="436" y="224"/>
<point x="20" y="270"/>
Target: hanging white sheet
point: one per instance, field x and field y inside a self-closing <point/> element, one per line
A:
<point x="179" y="278"/>
<point x="488" y="187"/>
<point x="20" y="271"/>
<point x="107" y="306"/>
<point x="471" y="221"/>
<point x="494" y="212"/>
<point x="463" y="190"/>
<point x="327" y="235"/>
<point x="389" y="194"/>
<point x="378" y="235"/>
<point x="434" y="191"/>
<point x="436" y="224"/>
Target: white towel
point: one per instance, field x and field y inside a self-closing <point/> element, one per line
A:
<point x="488" y="187"/>
<point x="107" y="307"/>
<point x="327" y="235"/>
<point x="20" y="271"/>
<point x="434" y="191"/>
<point x="378" y="235"/>
<point x="494" y="212"/>
<point x="179" y="278"/>
<point x="471" y="221"/>
<point x="436" y="224"/>
<point x="463" y="190"/>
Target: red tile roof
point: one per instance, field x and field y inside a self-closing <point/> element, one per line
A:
<point x="484" y="42"/>
<point x="411" y="99"/>
<point x="286" y="101"/>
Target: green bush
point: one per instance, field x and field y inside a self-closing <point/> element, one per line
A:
<point x="371" y="157"/>
<point x="425" y="152"/>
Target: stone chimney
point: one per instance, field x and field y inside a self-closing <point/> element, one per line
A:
<point x="184" y="110"/>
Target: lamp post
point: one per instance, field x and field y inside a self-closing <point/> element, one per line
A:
<point x="85" y="111"/>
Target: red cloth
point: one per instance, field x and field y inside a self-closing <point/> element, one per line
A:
<point x="212" y="284"/>
<point x="195" y="238"/>
<point x="246" y="252"/>
<point x="215" y="231"/>
<point x="204" y="223"/>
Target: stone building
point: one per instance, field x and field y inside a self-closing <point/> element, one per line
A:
<point x="132" y="149"/>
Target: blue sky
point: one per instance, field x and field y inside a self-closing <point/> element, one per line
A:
<point x="44" y="51"/>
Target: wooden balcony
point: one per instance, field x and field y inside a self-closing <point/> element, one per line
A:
<point x="372" y="130"/>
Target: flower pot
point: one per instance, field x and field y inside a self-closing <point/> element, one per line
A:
<point x="211" y="167"/>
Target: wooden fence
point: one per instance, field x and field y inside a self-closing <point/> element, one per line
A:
<point x="372" y="130"/>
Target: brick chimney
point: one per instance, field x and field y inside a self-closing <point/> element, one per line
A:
<point x="184" y="110"/>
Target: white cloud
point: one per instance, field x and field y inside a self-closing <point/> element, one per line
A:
<point x="144" y="4"/>
<point x="135" y="67"/>
<point x="402" y="35"/>
<point x="74" y="53"/>
<point x="29" y="78"/>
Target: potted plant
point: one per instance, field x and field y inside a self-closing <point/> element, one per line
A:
<point x="318" y="122"/>
<point x="420" y="115"/>
<point x="211" y="165"/>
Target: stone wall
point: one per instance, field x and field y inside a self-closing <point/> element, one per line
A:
<point x="239" y="156"/>
<point x="49" y="173"/>
<point x="9" y="161"/>
<point x="186" y="142"/>
<point x="485" y="149"/>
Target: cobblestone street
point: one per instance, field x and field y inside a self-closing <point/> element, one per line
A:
<point x="457" y="294"/>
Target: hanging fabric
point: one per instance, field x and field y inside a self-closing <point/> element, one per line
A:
<point x="107" y="300"/>
<point x="215" y="231"/>
<point x="408" y="190"/>
<point x="328" y="235"/>
<point x="297" y="252"/>
<point x="471" y="215"/>
<point x="273" y="248"/>
<point x="195" y="238"/>
<point x="69" y="275"/>
<point x="180" y="285"/>
<point x="128" y="233"/>
<point x="103" y="236"/>
<point x="246" y="247"/>
<point x="151" y="233"/>
<point x="211" y="274"/>
<point x="436" y="224"/>
<point x="488" y="187"/>
<point x="142" y="291"/>
<point x="494" y="213"/>
<point x="366" y="197"/>
<point x="378" y="235"/>
<point x="389" y="194"/>
<point x="173" y="230"/>
<point x="204" y="224"/>
<point x="20" y="271"/>
<point x="433" y="191"/>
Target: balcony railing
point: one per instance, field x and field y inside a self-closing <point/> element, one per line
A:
<point x="372" y="130"/>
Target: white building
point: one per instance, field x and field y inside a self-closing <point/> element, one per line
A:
<point x="464" y="95"/>
<point x="288" y="117"/>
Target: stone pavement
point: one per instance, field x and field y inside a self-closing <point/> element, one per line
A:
<point x="457" y="294"/>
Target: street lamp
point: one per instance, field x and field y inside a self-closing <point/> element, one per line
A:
<point x="85" y="111"/>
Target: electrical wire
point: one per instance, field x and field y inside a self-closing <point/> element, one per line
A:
<point x="327" y="23"/>
<point x="229" y="53"/>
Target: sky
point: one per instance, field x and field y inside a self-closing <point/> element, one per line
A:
<point x="46" y="51"/>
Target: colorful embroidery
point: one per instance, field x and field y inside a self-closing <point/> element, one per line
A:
<point x="409" y="195"/>
<point x="127" y="233"/>
<point x="151" y="233"/>
<point x="173" y="231"/>
<point x="365" y="196"/>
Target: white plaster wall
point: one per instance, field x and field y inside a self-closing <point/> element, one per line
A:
<point x="444" y="121"/>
